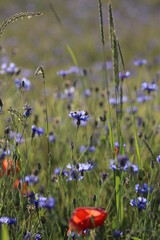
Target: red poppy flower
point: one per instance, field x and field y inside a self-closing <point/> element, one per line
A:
<point x="8" y="165"/>
<point x="17" y="183"/>
<point x="87" y="218"/>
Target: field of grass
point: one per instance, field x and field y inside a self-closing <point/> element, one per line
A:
<point x="79" y="119"/>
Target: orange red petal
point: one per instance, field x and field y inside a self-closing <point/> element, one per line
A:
<point x="87" y="218"/>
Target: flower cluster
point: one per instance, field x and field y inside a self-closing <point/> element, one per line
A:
<point x="75" y="172"/>
<point x="71" y="70"/>
<point x="10" y="69"/>
<point x="143" y="189"/>
<point x="122" y="163"/>
<point x="149" y="87"/>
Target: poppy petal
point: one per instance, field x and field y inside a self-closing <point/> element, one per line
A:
<point x="87" y="218"/>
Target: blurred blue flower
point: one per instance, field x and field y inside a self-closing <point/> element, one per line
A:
<point x="24" y="82"/>
<point x="143" y="188"/>
<point x="134" y="168"/>
<point x="149" y="86"/>
<point x="122" y="76"/>
<point x="27" y="236"/>
<point x="8" y="220"/>
<point x="28" y="110"/>
<point x="117" y="233"/>
<point x="81" y="117"/>
<point x="158" y="158"/>
<point x="71" y="70"/>
<point x="52" y="137"/>
<point x="141" y="203"/>
<point x="16" y="137"/>
<point x="143" y="98"/>
<point x="37" y="131"/>
<point x="132" y="109"/>
<point x="87" y="93"/>
<point x="37" y="236"/>
<point x="10" y="68"/>
<point x="43" y="202"/>
<point x="122" y="163"/>
<point x="140" y="62"/>
<point x="76" y="171"/>
<point x="5" y="153"/>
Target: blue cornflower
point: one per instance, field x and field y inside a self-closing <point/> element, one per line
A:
<point x="132" y="109"/>
<point x="140" y="62"/>
<point x="52" y="137"/>
<point x="143" y="188"/>
<point x="158" y="158"/>
<point x="122" y="162"/>
<point x="24" y="82"/>
<point x="31" y="179"/>
<point x="143" y="98"/>
<point x="81" y="117"/>
<point x="8" y="220"/>
<point x="149" y="86"/>
<point x="87" y="93"/>
<point x="76" y="171"/>
<point x="71" y="70"/>
<point x="122" y="76"/>
<point x="27" y="236"/>
<point x="37" y="236"/>
<point x="117" y="233"/>
<point x="141" y="203"/>
<point x="114" y="101"/>
<point x="134" y="168"/>
<point x="17" y="137"/>
<point x="43" y="202"/>
<point x="37" y="131"/>
<point x="28" y="110"/>
<point x="5" y="153"/>
<point x="116" y="144"/>
<point x="89" y="149"/>
<point x="69" y="92"/>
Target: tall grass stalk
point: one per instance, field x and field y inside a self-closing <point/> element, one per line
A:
<point x="115" y="59"/>
<point x="40" y="70"/>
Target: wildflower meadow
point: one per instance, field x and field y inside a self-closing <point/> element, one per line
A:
<point x="79" y="120"/>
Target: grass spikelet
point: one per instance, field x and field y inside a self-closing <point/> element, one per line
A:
<point x="114" y="47"/>
<point x="20" y="116"/>
<point x="15" y="17"/>
<point x="101" y="22"/>
<point x="40" y="70"/>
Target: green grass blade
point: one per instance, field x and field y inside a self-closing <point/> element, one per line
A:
<point x="74" y="59"/>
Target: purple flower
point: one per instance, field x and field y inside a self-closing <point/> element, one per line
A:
<point x="140" y="62"/>
<point x="46" y="203"/>
<point x="149" y="86"/>
<point x="143" y="188"/>
<point x="24" y="82"/>
<point x="158" y="158"/>
<point x="5" y="153"/>
<point x="81" y="117"/>
<point x="122" y="76"/>
<point x="122" y="163"/>
<point x="28" y="110"/>
<point x="141" y="203"/>
<point x="132" y="110"/>
<point x="117" y="233"/>
<point x="8" y="220"/>
<point x="37" y="236"/>
<point x="52" y="138"/>
<point x="76" y="171"/>
<point x="27" y="236"/>
<point x="37" y="131"/>
<point x="87" y="93"/>
<point x="69" y="92"/>
<point x="17" y="137"/>
<point x="71" y="70"/>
